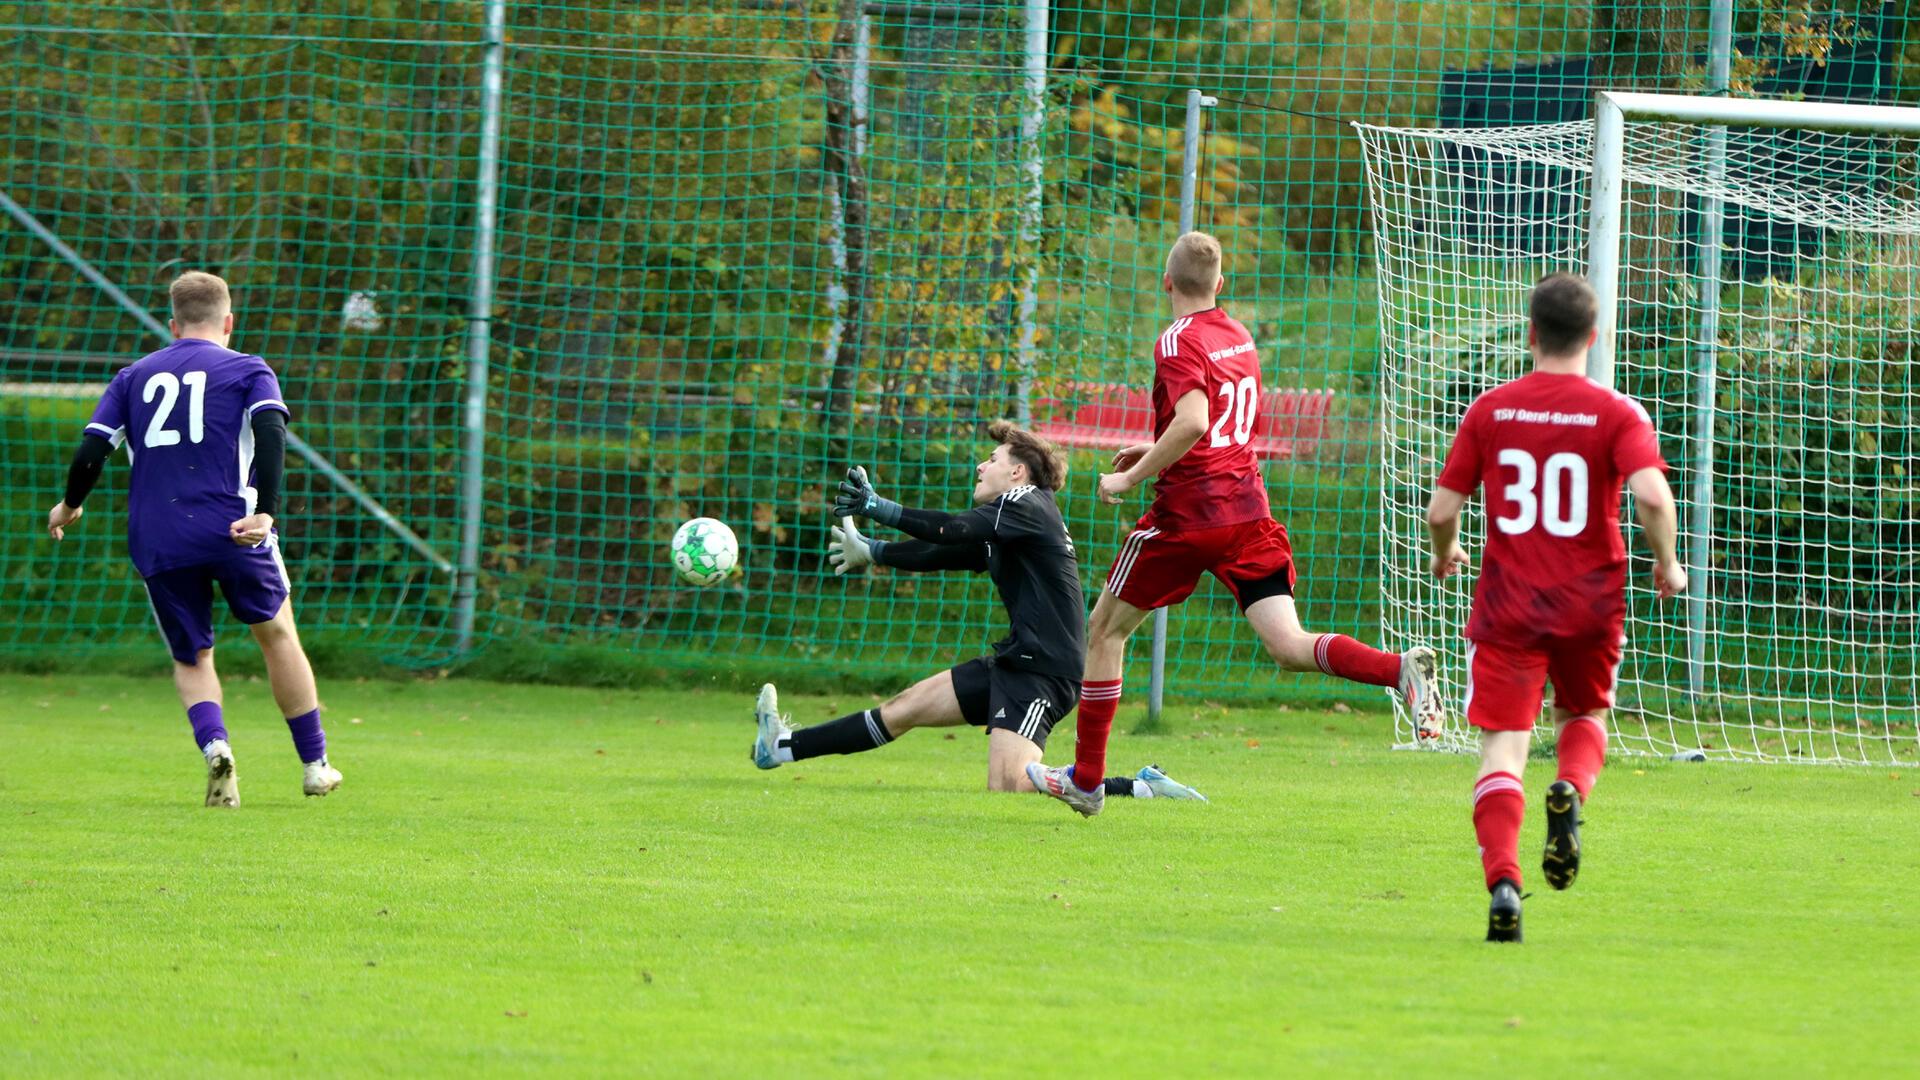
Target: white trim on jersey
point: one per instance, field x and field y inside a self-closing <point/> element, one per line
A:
<point x="1129" y="554"/>
<point x="251" y="409"/>
<point x="114" y="436"/>
<point x="1170" y="337"/>
<point x="1011" y="495"/>
<point x="243" y="447"/>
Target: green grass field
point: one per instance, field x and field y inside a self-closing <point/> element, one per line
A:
<point x="543" y="880"/>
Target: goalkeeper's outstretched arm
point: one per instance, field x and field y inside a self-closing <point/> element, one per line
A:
<point x="934" y="526"/>
<point x="849" y="551"/>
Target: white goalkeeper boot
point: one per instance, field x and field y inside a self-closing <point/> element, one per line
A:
<point x="769" y="749"/>
<point x="320" y="779"/>
<point x="223" y="784"/>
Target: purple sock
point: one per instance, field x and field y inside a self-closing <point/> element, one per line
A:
<point x="207" y="726"/>
<point x="308" y="739"/>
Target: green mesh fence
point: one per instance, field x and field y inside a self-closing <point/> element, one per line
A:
<point x="740" y="245"/>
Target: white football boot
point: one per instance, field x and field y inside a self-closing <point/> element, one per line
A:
<point x="223" y="784"/>
<point x="768" y="753"/>
<point x="320" y="779"/>
<point x="1420" y="688"/>
<point x="1164" y="786"/>
<point x="1059" y="784"/>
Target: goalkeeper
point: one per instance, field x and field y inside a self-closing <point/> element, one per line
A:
<point x="1016" y="535"/>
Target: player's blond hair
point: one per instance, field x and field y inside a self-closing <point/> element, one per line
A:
<point x="1046" y="466"/>
<point x="199" y="298"/>
<point x="1193" y="266"/>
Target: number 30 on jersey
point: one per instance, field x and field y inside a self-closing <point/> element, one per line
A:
<point x="1535" y="493"/>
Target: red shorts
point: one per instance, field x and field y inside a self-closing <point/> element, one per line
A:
<point x="1155" y="569"/>
<point x="1505" y="682"/>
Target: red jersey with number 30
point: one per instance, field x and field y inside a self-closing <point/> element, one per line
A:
<point x="1553" y="452"/>
<point x="1217" y="483"/>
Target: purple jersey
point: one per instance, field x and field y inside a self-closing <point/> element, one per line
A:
<point x="186" y="413"/>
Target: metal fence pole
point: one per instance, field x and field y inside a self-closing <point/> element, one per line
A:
<point x="1032" y="134"/>
<point x="1189" y="183"/>
<point x="839" y="291"/>
<point x="1706" y="390"/>
<point x="479" y="329"/>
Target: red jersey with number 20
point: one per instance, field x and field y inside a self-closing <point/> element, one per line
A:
<point x="1553" y="452"/>
<point x="1217" y="483"/>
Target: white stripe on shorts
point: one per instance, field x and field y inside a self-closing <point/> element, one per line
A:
<point x="1466" y="703"/>
<point x="1030" y="725"/>
<point x="1129" y="554"/>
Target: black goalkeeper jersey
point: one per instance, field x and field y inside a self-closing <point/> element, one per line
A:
<point x="1021" y="541"/>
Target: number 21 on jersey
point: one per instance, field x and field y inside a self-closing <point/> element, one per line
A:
<point x="165" y="385"/>
<point x="1535" y="493"/>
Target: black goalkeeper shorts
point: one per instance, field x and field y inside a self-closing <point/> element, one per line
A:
<point x="1027" y="703"/>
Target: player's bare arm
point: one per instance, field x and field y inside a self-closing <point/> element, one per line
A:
<point x="60" y="517"/>
<point x="1189" y="423"/>
<point x="1125" y="458"/>
<point x="1653" y="501"/>
<point x="1443" y="532"/>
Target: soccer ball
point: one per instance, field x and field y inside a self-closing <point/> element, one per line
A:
<point x="704" y="551"/>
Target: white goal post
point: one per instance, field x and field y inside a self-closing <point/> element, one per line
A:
<point x="1758" y="266"/>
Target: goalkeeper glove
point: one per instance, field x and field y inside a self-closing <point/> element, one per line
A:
<point x="858" y="497"/>
<point x="849" y="551"/>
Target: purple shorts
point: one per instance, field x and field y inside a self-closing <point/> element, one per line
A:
<point x="254" y="583"/>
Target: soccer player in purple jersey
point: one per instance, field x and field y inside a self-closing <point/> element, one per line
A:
<point x="206" y="434"/>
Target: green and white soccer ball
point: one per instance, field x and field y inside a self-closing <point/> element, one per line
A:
<point x="704" y="551"/>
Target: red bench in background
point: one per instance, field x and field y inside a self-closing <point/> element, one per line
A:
<point x="1108" y="416"/>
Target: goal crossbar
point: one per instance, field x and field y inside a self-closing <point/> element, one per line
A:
<point x="1611" y="111"/>
<point x="1810" y="115"/>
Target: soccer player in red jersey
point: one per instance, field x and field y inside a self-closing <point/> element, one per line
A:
<point x="1209" y="515"/>
<point x="1552" y="449"/>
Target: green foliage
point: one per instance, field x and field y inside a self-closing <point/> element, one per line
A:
<point x="665" y="277"/>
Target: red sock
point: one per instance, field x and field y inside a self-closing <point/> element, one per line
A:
<point x="1582" y="749"/>
<point x="1099" y="700"/>
<point x="1499" y="804"/>
<point x="1341" y="656"/>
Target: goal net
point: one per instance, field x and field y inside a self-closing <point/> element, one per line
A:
<point x="1768" y="318"/>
